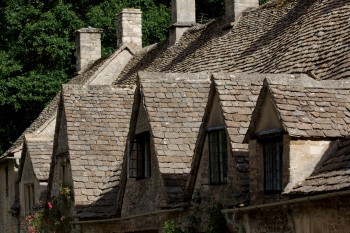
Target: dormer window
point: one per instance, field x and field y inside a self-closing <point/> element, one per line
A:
<point x="140" y="156"/>
<point x="217" y="155"/>
<point x="272" y="145"/>
<point x="29" y="197"/>
<point x="273" y="150"/>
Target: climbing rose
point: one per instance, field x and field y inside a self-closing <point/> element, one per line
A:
<point x="49" y="204"/>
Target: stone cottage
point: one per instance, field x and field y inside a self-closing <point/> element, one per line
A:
<point x="285" y="38"/>
<point x="89" y="146"/>
<point x="33" y="172"/>
<point x="298" y="152"/>
<point x="102" y="73"/>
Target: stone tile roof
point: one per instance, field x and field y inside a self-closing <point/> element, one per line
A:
<point x="308" y="108"/>
<point x="332" y="175"/>
<point x="98" y="120"/>
<point x="40" y="152"/>
<point x="279" y="37"/>
<point x="175" y="104"/>
<point x="237" y="95"/>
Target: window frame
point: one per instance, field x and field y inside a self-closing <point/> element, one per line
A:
<point x="140" y="156"/>
<point x="218" y="155"/>
<point x="29" y="197"/>
<point x="272" y="139"/>
<point x="63" y="172"/>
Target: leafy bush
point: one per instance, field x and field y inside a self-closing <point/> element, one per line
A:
<point x="53" y="216"/>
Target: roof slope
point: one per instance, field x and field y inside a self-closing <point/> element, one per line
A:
<point x="237" y="95"/>
<point x="278" y="37"/>
<point x="98" y="120"/>
<point x="175" y="107"/>
<point x="332" y="175"/>
<point x="308" y="108"/>
<point x="322" y="111"/>
<point x="40" y="152"/>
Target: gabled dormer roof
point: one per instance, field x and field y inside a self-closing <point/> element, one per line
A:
<point x="98" y="120"/>
<point x="305" y="107"/>
<point x="38" y="149"/>
<point x="237" y="94"/>
<point x="175" y="104"/>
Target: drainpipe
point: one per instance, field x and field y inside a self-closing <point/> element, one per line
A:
<point x="236" y="225"/>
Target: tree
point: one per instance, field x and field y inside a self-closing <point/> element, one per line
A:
<point x="37" y="47"/>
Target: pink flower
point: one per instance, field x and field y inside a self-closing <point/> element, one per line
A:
<point x="31" y="229"/>
<point x="49" y="204"/>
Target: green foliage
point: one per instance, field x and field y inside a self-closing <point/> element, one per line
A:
<point x="54" y="216"/>
<point x="45" y="39"/>
<point x="170" y="227"/>
<point x="25" y="94"/>
<point x="210" y="9"/>
<point x="155" y="21"/>
<point x="37" y="46"/>
<point x="206" y="213"/>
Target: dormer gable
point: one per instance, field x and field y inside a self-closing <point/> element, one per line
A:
<point x="169" y="110"/>
<point x="90" y="142"/>
<point x="288" y="134"/>
<point x="216" y="169"/>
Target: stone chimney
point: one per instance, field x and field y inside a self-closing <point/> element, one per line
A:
<point x="234" y="8"/>
<point x="88" y="48"/>
<point x="129" y="27"/>
<point x="183" y="17"/>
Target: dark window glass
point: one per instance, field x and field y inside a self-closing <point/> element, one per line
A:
<point x="29" y="196"/>
<point x="273" y="150"/>
<point x="218" y="156"/>
<point x="140" y="157"/>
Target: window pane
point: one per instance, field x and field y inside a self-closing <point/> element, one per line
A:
<point x="218" y="156"/>
<point x="273" y="165"/>
<point x="140" y="157"/>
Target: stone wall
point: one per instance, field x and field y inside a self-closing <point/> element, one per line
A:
<point x="256" y="172"/>
<point x="8" y="222"/>
<point x="300" y="158"/>
<point x="29" y="177"/>
<point x="322" y="216"/>
<point x="153" y="223"/>
<point x="304" y="156"/>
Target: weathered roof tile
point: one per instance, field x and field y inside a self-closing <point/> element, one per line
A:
<point x="97" y="128"/>
<point x="175" y="109"/>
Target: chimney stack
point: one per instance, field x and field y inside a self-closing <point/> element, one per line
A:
<point x="88" y="48"/>
<point x="183" y="17"/>
<point x="234" y="8"/>
<point x="129" y="27"/>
